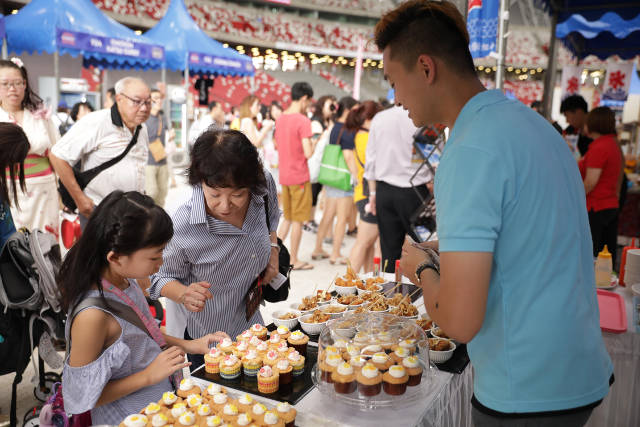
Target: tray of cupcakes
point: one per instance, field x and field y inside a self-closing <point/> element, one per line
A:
<point x="212" y="407"/>
<point x="373" y="360"/>
<point x="275" y="365"/>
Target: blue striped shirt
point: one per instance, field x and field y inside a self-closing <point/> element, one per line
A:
<point x="206" y="249"/>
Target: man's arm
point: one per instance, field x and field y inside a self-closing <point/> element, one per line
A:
<point x="307" y="147"/>
<point x="591" y="179"/>
<point x="65" y="172"/>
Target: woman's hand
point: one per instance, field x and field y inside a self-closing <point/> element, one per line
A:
<point x="202" y="345"/>
<point x="273" y="267"/>
<point x="412" y="257"/>
<point x="165" y="364"/>
<point x="195" y="296"/>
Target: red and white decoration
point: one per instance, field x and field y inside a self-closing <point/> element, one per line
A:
<point x="617" y="81"/>
<point x="570" y="83"/>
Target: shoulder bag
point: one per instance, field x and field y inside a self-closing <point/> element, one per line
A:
<point x="333" y="168"/>
<point x="84" y="177"/>
<point x="156" y="148"/>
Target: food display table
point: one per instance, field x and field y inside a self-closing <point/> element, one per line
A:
<point x="620" y="408"/>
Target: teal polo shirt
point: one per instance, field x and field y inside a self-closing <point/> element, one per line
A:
<point x="508" y="184"/>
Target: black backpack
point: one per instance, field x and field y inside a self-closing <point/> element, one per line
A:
<point x="65" y="126"/>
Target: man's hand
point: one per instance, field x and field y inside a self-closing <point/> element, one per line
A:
<point x="85" y="206"/>
<point x="412" y="257"/>
<point x="195" y="296"/>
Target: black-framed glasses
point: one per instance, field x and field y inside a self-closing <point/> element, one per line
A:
<point x="18" y="84"/>
<point x="138" y="102"/>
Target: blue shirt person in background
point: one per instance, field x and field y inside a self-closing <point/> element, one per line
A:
<point x="515" y="278"/>
<point x="14" y="147"/>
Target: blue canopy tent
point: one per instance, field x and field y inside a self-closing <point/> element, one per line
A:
<point x="591" y="27"/>
<point x="190" y="49"/>
<point x="2" y="40"/>
<point x="78" y="27"/>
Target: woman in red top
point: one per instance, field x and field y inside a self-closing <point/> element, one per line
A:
<point x="601" y="170"/>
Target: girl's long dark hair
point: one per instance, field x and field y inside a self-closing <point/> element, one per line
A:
<point x="14" y="147"/>
<point x="318" y="114"/>
<point x="362" y="113"/>
<point x="31" y="101"/>
<point x="122" y="223"/>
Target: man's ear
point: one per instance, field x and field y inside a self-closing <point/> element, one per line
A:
<point x="427" y="65"/>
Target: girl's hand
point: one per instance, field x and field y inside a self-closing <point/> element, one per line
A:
<point x="165" y="364"/>
<point x="202" y="345"/>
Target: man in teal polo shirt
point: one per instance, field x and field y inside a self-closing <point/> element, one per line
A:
<point x="516" y="278"/>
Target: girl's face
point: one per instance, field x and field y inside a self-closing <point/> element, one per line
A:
<point x="12" y="87"/>
<point x="326" y="109"/>
<point x="139" y="265"/>
<point x="225" y="203"/>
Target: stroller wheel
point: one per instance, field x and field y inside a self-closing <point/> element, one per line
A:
<point x="43" y="392"/>
<point x="53" y="376"/>
<point x="31" y="418"/>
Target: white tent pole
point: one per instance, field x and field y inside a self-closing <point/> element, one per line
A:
<point x="5" y="53"/>
<point x="502" y="42"/>
<point x="56" y="77"/>
<point x="550" y="76"/>
<point x="183" y="135"/>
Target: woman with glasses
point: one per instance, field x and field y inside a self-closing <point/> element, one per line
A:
<point x="37" y="204"/>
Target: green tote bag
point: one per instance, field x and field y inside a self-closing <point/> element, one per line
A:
<point x="333" y="169"/>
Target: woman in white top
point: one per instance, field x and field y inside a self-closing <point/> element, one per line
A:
<point x="249" y="109"/>
<point x="38" y="205"/>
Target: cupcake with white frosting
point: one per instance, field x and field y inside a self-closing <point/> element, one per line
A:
<point x="187" y="387"/>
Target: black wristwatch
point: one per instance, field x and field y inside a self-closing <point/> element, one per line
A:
<point x="426" y="265"/>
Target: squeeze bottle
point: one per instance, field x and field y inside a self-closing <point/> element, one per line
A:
<point x="604" y="267"/>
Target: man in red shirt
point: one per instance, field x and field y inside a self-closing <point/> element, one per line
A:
<point x="601" y="170"/>
<point x="293" y="142"/>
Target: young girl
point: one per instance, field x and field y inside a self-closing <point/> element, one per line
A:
<point x="114" y="368"/>
<point x="14" y="147"/>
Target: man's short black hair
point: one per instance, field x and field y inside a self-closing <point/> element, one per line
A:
<point x="111" y="92"/>
<point x="300" y="89"/>
<point x="573" y="103"/>
<point x="212" y="105"/>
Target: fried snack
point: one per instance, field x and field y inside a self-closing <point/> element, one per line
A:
<point x="378" y="304"/>
<point x="425" y="324"/>
<point x="289" y="316"/>
<point x="346" y="299"/>
<point x="333" y="309"/>
<point x="362" y="309"/>
<point x="405" y="309"/>
<point x="308" y="303"/>
<point x="370" y="296"/>
<point x="348" y="283"/>
<point x="318" y="317"/>
<point x="437" y="344"/>
<point x="440" y="333"/>
<point x="396" y="299"/>
<point x="373" y="281"/>
<point x="379" y="280"/>
<point x="351" y="275"/>
<point x="323" y="296"/>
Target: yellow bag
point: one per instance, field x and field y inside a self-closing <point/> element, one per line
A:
<point x="156" y="148"/>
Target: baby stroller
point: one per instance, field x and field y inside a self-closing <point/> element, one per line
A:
<point x="30" y="312"/>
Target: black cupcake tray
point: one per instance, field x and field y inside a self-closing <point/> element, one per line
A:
<point x="291" y="393"/>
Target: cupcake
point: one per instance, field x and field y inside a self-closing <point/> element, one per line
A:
<point x="218" y="401"/>
<point x="283" y="331"/>
<point x="268" y="380"/>
<point x="282" y="349"/>
<point x="187" y="387"/>
<point x="381" y="360"/>
<point x="394" y="382"/>
<point x="230" y="367"/>
<point x="297" y="363"/>
<point x="203" y="411"/>
<point x="369" y="380"/>
<point x="259" y="331"/>
<point x="168" y="399"/>
<point x="285" y="371"/>
<point x="358" y="362"/>
<point x="414" y="370"/>
<point x="270" y="418"/>
<point x="245" y="336"/>
<point x="262" y="348"/>
<point x="212" y="361"/>
<point x="214" y="389"/>
<point x="213" y="421"/>
<point x="187" y="419"/>
<point x="159" y="420"/>
<point x="372" y="349"/>
<point x="299" y="341"/>
<point x="286" y="413"/>
<point x="151" y="409"/>
<point x="244" y="420"/>
<point x="344" y="379"/>
<point x="251" y="363"/>
<point x="178" y="409"/>
<point x="271" y="358"/>
<point x="341" y="345"/>
<point x="328" y="365"/>
<point x="194" y="400"/>
<point x="135" y="420"/>
<point x="226" y="346"/>
<point x="274" y="339"/>
<point x="409" y="344"/>
<point x="254" y="342"/>
<point x="257" y="411"/>
<point x="350" y="351"/>
<point x="245" y="403"/>
<point x="361" y="338"/>
<point x="229" y="412"/>
<point x="241" y="349"/>
<point x="399" y="354"/>
<point x="385" y="340"/>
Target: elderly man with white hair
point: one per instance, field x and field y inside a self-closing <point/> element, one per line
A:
<point x="102" y="136"/>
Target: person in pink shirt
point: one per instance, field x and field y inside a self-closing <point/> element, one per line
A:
<point x="293" y="142"/>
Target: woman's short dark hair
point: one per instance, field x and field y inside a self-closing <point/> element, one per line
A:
<point x="226" y="159"/>
<point x="123" y="223"/>
<point x="31" y="100"/>
<point x="362" y="113"/>
<point x="601" y="120"/>
<point x="346" y="103"/>
<point x="76" y="109"/>
<point x="14" y="147"/>
<point x="318" y="110"/>
<point x="573" y="103"/>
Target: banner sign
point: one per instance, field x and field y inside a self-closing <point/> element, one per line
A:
<point x="108" y="45"/>
<point x="203" y="60"/>
<point x="617" y="82"/>
<point x="570" y="83"/>
<point x="482" y="25"/>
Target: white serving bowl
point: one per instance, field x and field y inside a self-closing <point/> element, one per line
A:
<point x="334" y="315"/>
<point x="295" y="305"/>
<point x="320" y="302"/>
<point x="289" y="323"/>
<point x="345" y="290"/>
<point x="442" y="356"/>
<point x="361" y="291"/>
<point x="311" y="328"/>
